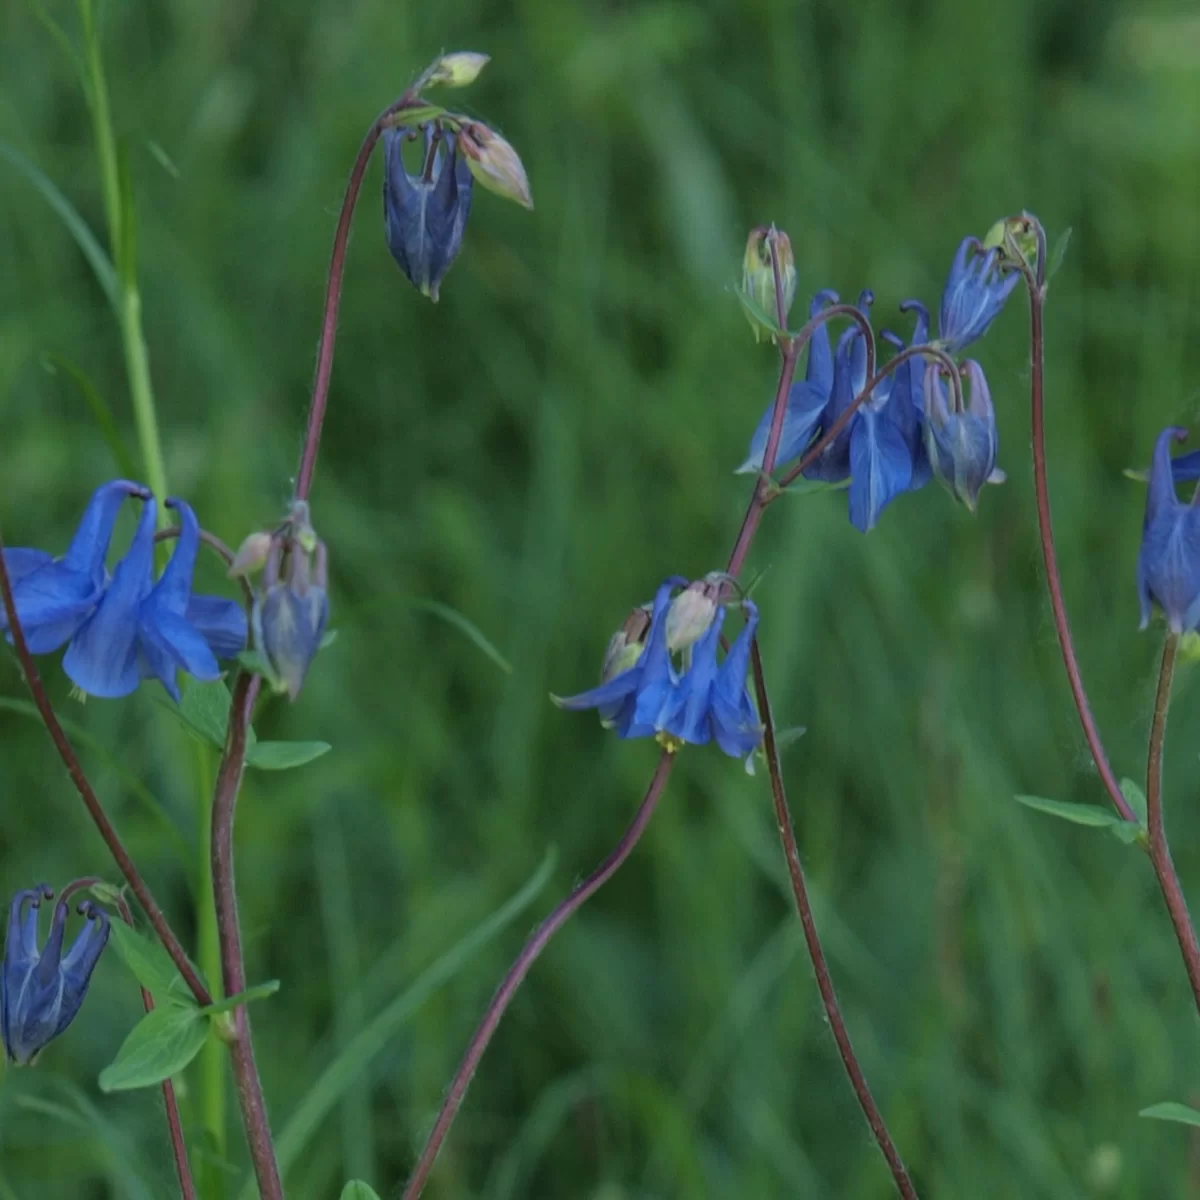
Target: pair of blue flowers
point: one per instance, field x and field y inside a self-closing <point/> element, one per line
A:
<point x="645" y="694"/>
<point x="41" y="990"/>
<point x="123" y="628"/>
<point x="908" y="430"/>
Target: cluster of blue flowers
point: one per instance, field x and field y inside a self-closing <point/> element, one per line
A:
<point x="662" y="678"/>
<point x="42" y="990"/>
<point x="125" y="627"/>
<point x="908" y="430"/>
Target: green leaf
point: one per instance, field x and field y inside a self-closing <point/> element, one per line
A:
<point x="77" y="227"/>
<point x="327" y="639"/>
<point x="1080" y="814"/>
<point x="283" y="756"/>
<point x="454" y="617"/>
<point x="149" y="963"/>
<point x="260" y="991"/>
<point x="160" y="1045"/>
<point x="204" y="711"/>
<point x="759" y="315"/>
<point x="1058" y="253"/>
<point x="1137" y="799"/>
<point x="414" y="116"/>
<point x="357" y="1190"/>
<point x="127" y="249"/>
<point x="1171" y="1110"/>
<point x="101" y="413"/>
<point x="810" y="487"/>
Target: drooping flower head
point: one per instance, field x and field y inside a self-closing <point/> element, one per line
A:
<point x="686" y="698"/>
<point x="55" y="596"/>
<point x="425" y="214"/>
<point x="962" y="445"/>
<point x="1168" y="569"/>
<point x="292" y="606"/>
<point x="975" y="292"/>
<point x="41" y="990"/>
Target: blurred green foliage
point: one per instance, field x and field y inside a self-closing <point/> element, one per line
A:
<point x="536" y="452"/>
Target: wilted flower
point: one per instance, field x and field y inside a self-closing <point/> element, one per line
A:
<point x="494" y="162"/>
<point x="975" y="292"/>
<point x="42" y="990"/>
<point x="1168" y="569"/>
<point x="962" y="445"/>
<point x="289" y="615"/>
<point x="141" y="629"/>
<point x="758" y="276"/>
<point x="425" y="214"/>
<point x="806" y="400"/>
<point x="695" y="702"/>
<point x="55" y="596"/>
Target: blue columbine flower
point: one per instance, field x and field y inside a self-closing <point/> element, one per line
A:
<point x="908" y="395"/>
<point x="55" y="596"/>
<point x="41" y="991"/>
<point x="289" y="616"/>
<point x="425" y="214"/>
<point x="806" y="400"/>
<point x="141" y="629"/>
<point x="699" y="702"/>
<point x="975" y="292"/>
<point x="962" y="445"/>
<point x="1168" y="569"/>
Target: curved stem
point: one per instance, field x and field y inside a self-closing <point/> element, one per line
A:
<point x="873" y="381"/>
<point x="233" y="968"/>
<point x="791" y="852"/>
<point x="1160" y="851"/>
<point x="1037" y="298"/>
<point x="520" y="968"/>
<point x="333" y="296"/>
<point x="91" y="801"/>
<point x="187" y="1188"/>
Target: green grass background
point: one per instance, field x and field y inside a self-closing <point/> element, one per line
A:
<point x="537" y="451"/>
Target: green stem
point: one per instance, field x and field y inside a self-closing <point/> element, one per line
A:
<point x="118" y="208"/>
<point x="212" y="1057"/>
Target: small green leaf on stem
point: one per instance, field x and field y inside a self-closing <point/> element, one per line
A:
<point x="149" y="963"/>
<point x="1172" y="1110"/>
<point x="1136" y="797"/>
<point x="160" y="1045"/>
<point x="357" y="1190"/>
<point x="1079" y="814"/>
<point x="260" y="991"/>
<point x="283" y="756"/>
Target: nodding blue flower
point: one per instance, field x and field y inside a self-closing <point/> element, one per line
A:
<point x="806" y="400"/>
<point x="169" y="637"/>
<point x="55" y="596"/>
<point x="962" y="445"/>
<point x="1168" y="569"/>
<point x="698" y="702"/>
<point x="975" y="292"/>
<point x="142" y="630"/>
<point x="42" y="990"/>
<point x="908" y="394"/>
<point x="289" y="616"/>
<point x="425" y="214"/>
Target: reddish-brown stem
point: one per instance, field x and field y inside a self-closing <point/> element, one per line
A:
<point x="333" y="296"/>
<point x="791" y="853"/>
<point x="187" y="1188"/>
<point x="520" y="968"/>
<point x="1160" y="851"/>
<point x="1037" y="297"/>
<point x="873" y="381"/>
<point x="91" y="801"/>
<point x="233" y="969"/>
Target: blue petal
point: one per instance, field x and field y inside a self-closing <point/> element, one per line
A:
<point x="19" y="562"/>
<point x="686" y="713"/>
<point x="175" y="584"/>
<point x="880" y="466"/>
<point x="1186" y="467"/>
<point x="80" y="962"/>
<point x="52" y="602"/>
<point x="169" y="642"/>
<point x="102" y="659"/>
<point x="735" y="723"/>
<point x="221" y="622"/>
<point x="89" y="546"/>
<point x="805" y="405"/>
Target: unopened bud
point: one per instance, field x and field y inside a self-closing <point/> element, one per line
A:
<point x="251" y="555"/>
<point x="457" y="70"/>
<point x="494" y="163"/>
<point x="625" y="646"/>
<point x="691" y="614"/>
<point x="1020" y="230"/>
<point x="758" y="278"/>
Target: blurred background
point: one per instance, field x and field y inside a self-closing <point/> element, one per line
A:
<point x="504" y="474"/>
